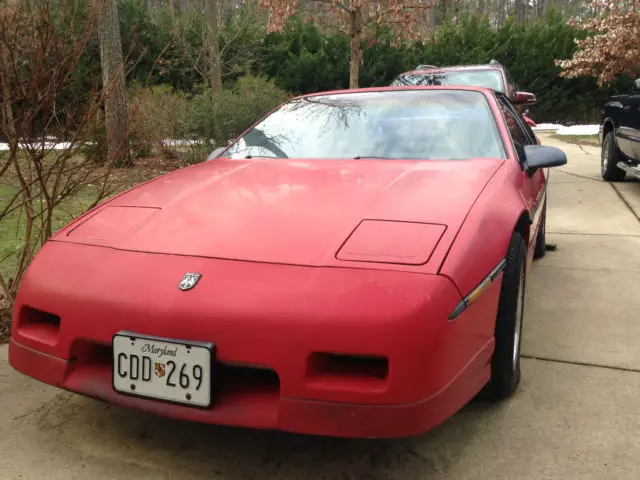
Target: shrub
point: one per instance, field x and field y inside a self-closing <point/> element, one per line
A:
<point x="42" y="185"/>
<point x="187" y="127"/>
<point x="158" y="115"/>
<point x="222" y="116"/>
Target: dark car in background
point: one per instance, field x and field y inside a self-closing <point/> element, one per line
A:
<point x="620" y="135"/>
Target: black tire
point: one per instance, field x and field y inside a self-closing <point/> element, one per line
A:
<point x="610" y="155"/>
<point x="505" y="363"/>
<point x="541" y="239"/>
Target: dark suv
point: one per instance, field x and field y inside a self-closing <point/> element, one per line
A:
<point x="492" y="75"/>
<point x="620" y="135"/>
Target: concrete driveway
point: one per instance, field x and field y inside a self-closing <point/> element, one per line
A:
<point x="575" y="416"/>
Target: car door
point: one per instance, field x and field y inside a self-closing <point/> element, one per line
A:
<point x="632" y="118"/>
<point x="532" y="187"/>
<point x="620" y="110"/>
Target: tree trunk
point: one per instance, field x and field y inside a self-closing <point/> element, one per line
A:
<point x="482" y="8"/>
<point x="443" y="9"/>
<point x="521" y="11"/>
<point x="456" y="12"/>
<point x="8" y="127"/>
<point x="502" y="8"/>
<point x="113" y="84"/>
<point x="355" y="33"/>
<point x="214" y="70"/>
<point x="8" y="122"/>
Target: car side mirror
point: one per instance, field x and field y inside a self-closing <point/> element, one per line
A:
<point x="543" y="156"/>
<point x="216" y="153"/>
<point x="525" y="98"/>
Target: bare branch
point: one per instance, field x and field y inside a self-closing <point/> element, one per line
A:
<point x="40" y="54"/>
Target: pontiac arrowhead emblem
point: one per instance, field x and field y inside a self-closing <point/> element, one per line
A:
<point x="189" y="281"/>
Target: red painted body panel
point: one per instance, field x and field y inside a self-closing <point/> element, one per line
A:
<point x="259" y="322"/>
<point x="277" y="211"/>
<point x="299" y="258"/>
<point x="509" y="195"/>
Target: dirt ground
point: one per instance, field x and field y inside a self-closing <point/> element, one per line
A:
<point x="5" y="321"/>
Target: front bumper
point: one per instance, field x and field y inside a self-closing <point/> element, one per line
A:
<point x="270" y="412"/>
<point x="262" y="318"/>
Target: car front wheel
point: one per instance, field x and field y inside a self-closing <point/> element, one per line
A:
<point x="609" y="158"/>
<point x="505" y="364"/>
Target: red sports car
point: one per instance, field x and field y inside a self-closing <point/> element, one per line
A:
<point x="352" y="265"/>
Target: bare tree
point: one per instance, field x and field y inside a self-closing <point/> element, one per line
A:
<point x="214" y="71"/>
<point x="358" y="19"/>
<point x="237" y="44"/>
<point x="42" y="46"/>
<point x="116" y="113"/>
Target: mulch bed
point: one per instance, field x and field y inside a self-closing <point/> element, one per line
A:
<point x="5" y="322"/>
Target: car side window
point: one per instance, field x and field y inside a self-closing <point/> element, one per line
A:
<point x="524" y="125"/>
<point x="532" y="136"/>
<point x="519" y="134"/>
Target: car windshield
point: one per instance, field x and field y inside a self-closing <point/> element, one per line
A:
<point x="478" y="78"/>
<point x="397" y="124"/>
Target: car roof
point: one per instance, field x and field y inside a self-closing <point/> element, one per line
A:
<point x="484" y="90"/>
<point x="432" y="69"/>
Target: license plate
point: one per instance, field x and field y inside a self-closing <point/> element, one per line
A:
<point x="163" y="369"/>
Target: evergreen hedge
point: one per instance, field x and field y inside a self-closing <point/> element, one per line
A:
<point x="304" y="59"/>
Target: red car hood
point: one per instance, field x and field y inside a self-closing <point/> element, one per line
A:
<point x="284" y="211"/>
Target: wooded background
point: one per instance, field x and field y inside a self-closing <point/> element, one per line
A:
<point x="168" y="44"/>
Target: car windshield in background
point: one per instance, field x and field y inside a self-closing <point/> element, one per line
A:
<point x="476" y="78"/>
<point x="400" y="124"/>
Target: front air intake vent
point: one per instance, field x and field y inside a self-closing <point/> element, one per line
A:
<point x="38" y="325"/>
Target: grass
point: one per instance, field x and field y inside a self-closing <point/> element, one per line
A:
<point x="12" y="227"/>
<point x="12" y="235"/>
<point x="591" y="140"/>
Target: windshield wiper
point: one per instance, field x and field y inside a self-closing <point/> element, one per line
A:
<point x="370" y="156"/>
